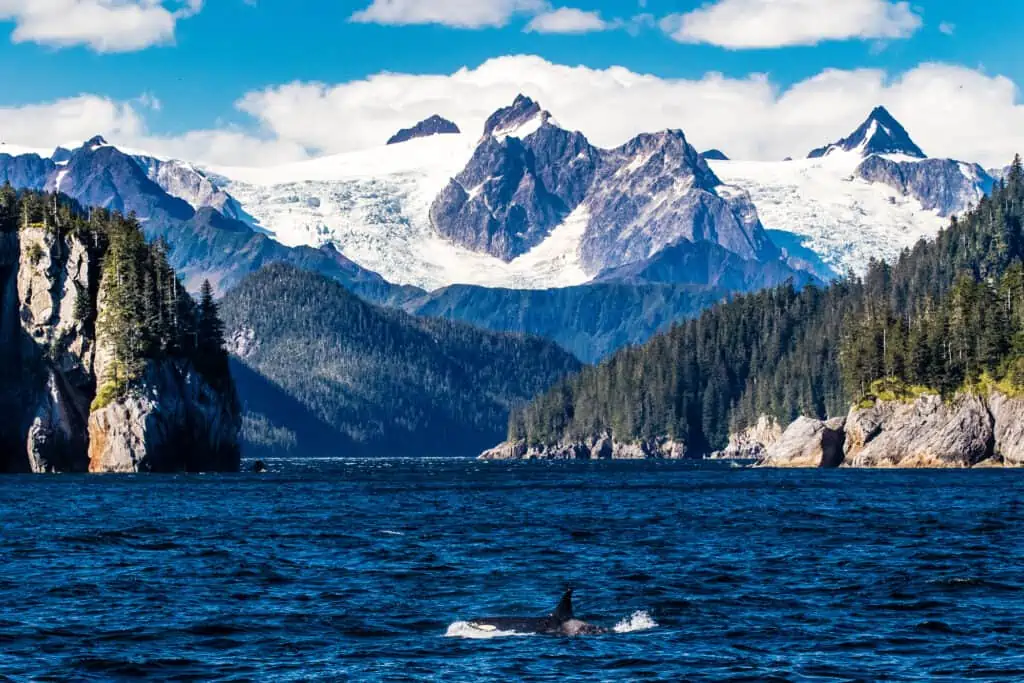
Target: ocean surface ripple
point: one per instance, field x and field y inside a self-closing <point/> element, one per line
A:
<point x="363" y="570"/>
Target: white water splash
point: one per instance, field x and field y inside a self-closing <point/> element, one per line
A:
<point x="465" y="629"/>
<point x="638" y="621"/>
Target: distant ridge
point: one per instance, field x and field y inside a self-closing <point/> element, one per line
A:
<point x="435" y="125"/>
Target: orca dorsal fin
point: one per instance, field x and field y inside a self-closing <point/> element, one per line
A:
<point x="564" y="610"/>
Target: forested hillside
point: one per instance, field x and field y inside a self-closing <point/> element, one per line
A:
<point x="322" y="372"/>
<point x="946" y="312"/>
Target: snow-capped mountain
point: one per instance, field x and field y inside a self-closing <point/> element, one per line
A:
<point x="524" y="179"/>
<point x="529" y="179"/>
<point x="204" y="242"/>
<point x="879" y="134"/>
<point x="871" y="195"/>
<point x="527" y="205"/>
<point x="531" y="205"/>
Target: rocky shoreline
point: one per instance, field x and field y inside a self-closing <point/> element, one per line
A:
<point x="603" y="447"/>
<point x="969" y="431"/>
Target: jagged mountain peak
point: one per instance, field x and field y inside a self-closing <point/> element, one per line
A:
<point x="880" y="133"/>
<point x="60" y="155"/>
<point x="523" y="117"/>
<point x="95" y="141"/>
<point x="665" y="152"/>
<point x="435" y="125"/>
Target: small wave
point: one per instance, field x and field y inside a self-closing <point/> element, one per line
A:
<point x="638" y="621"/>
<point x="465" y="629"/>
<point x="389" y="532"/>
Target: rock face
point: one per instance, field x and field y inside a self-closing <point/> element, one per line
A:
<point x="512" y="119"/>
<point x="28" y="171"/>
<point x="1008" y="425"/>
<point x="603" y="447"/>
<point x="435" y="125"/>
<point x="941" y="185"/>
<point x="52" y="359"/>
<point x="528" y="176"/>
<point x="48" y="339"/>
<point x="808" y="443"/>
<point x="175" y="421"/>
<point x="928" y="432"/>
<point x="879" y="134"/>
<point x="752" y="443"/>
<point x="925" y="433"/>
<point x="655" y="191"/>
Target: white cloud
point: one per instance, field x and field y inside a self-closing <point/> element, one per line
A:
<point x="568" y="20"/>
<point x="102" y="25"/>
<point x="745" y="24"/>
<point x="454" y="13"/>
<point x="47" y="125"/>
<point x="947" y="28"/>
<point x="949" y="110"/>
<point x="476" y="14"/>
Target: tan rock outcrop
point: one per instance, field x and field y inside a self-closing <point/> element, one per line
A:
<point x="808" y="443"/>
<point x="927" y="432"/>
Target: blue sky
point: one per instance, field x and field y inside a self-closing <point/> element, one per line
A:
<point x="222" y="50"/>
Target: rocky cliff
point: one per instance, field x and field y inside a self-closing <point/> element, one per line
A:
<point x="54" y="361"/>
<point x="969" y="430"/>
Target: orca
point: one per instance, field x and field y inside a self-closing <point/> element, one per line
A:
<point x="561" y="622"/>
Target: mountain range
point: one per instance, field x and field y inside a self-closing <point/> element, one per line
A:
<point x="530" y="228"/>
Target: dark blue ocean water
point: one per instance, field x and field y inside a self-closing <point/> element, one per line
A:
<point x="358" y="570"/>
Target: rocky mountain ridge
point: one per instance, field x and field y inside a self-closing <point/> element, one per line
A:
<point x="528" y="175"/>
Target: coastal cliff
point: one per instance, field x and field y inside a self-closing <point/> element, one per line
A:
<point x="968" y="430"/>
<point x="99" y="373"/>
